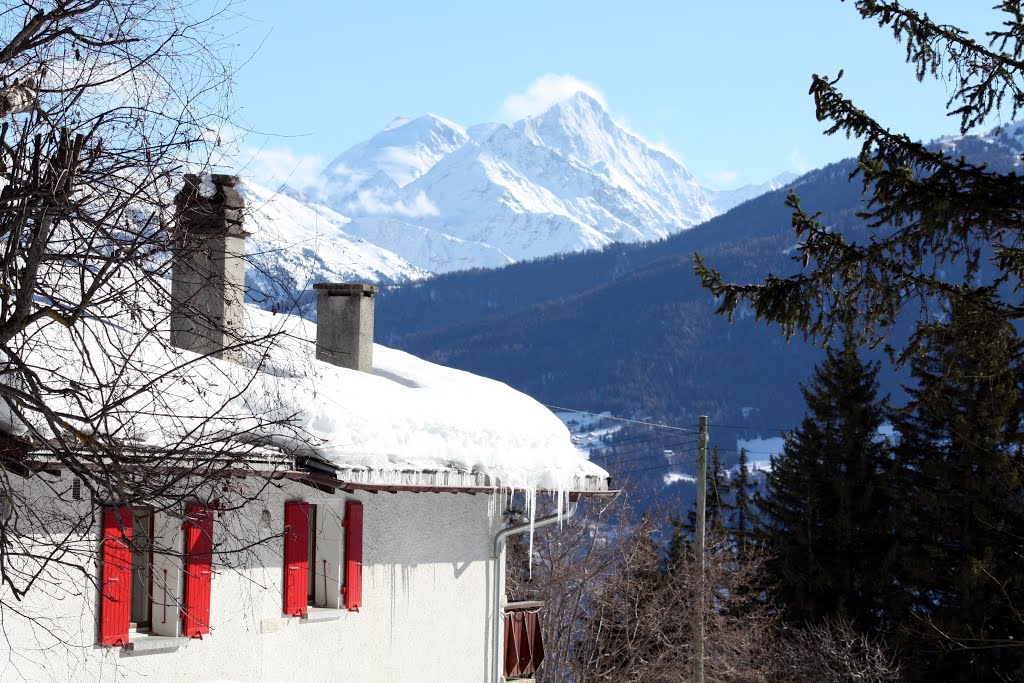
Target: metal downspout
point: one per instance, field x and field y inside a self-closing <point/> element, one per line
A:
<point x="499" y="577"/>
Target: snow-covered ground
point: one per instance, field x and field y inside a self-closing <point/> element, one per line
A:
<point x="760" y="451"/>
<point x="589" y="431"/>
<point x="675" y="477"/>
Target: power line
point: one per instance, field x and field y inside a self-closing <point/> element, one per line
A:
<point x="612" y="464"/>
<point x="639" y="455"/>
<point x="726" y="450"/>
<point x="621" y="419"/>
<point x="637" y="441"/>
<point x="638" y="449"/>
<point x="755" y="428"/>
<point x="655" y="467"/>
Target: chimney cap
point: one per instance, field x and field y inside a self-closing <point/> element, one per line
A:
<point x="225" y="179"/>
<point x="216" y="213"/>
<point x="346" y="288"/>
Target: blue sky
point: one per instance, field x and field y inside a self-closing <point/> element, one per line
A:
<point x="722" y="84"/>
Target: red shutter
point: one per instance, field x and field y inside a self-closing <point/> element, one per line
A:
<point x="524" y="643"/>
<point x="198" y="570"/>
<point x="353" y="555"/>
<point x="296" y="558"/>
<point x="116" y="577"/>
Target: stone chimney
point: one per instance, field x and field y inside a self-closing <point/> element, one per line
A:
<point x="344" y="326"/>
<point x="208" y="268"/>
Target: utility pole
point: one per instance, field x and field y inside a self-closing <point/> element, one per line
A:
<point x="702" y="487"/>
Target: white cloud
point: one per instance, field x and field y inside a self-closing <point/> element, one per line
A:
<point x="240" y="152"/>
<point x="798" y="161"/>
<point x="543" y="93"/>
<point x="274" y="167"/>
<point x="374" y="202"/>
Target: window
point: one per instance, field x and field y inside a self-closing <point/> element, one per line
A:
<point x="142" y="568"/>
<point x="311" y="556"/>
<point x="131" y="565"/>
<point x="323" y="556"/>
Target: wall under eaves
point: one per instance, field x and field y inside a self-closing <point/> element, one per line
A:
<point x="426" y="614"/>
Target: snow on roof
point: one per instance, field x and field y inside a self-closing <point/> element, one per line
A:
<point x="414" y="415"/>
<point x="408" y="416"/>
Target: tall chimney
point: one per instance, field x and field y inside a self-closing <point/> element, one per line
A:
<point x="344" y="325"/>
<point x="208" y="269"/>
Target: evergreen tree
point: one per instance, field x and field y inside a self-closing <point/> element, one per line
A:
<point x="963" y="518"/>
<point x="680" y="543"/>
<point x="716" y="504"/>
<point x="825" y="509"/>
<point x="718" y="487"/>
<point x="936" y="220"/>
<point x="743" y="508"/>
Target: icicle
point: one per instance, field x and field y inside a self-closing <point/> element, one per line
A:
<point x="531" y="505"/>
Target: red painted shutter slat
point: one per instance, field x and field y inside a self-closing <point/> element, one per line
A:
<point x="116" y="576"/>
<point x="353" y="555"/>
<point x="536" y="641"/>
<point x="198" y="570"/>
<point x="296" y="558"/>
<point x="512" y="637"/>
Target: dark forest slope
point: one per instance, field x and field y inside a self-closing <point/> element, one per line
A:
<point x="628" y="328"/>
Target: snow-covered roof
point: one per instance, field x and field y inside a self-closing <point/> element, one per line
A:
<point x="413" y="416"/>
<point x="407" y="419"/>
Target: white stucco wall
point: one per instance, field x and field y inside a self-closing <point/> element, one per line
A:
<point x="426" y="615"/>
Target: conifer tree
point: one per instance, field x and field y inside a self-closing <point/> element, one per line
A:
<point x="716" y="506"/>
<point x="942" y="228"/>
<point x="825" y="509"/>
<point x="718" y="486"/>
<point x="743" y="507"/>
<point x="963" y="517"/>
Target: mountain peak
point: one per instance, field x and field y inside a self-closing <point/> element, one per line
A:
<point x="579" y="105"/>
<point x="582" y="98"/>
<point x="403" y="130"/>
<point x="403" y="151"/>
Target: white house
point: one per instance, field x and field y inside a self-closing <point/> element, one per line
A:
<point x="356" y="536"/>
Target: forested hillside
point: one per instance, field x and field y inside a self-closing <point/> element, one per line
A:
<point x="629" y="328"/>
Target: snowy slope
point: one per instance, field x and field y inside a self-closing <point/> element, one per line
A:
<point x="295" y="243"/>
<point x="391" y="159"/>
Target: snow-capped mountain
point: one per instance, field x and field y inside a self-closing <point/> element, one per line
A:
<point x="660" y="190"/>
<point x="391" y="159"/>
<point x="1000" y="148"/>
<point x="437" y="197"/>
<point x="448" y="198"/>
